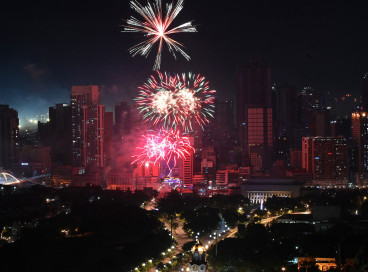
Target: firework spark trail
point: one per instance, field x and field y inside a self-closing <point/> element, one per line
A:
<point x="155" y="27"/>
<point x="167" y="145"/>
<point x="176" y="102"/>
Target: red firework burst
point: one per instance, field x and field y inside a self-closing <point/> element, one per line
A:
<point x="167" y="145"/>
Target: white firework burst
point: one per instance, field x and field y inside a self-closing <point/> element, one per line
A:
<point x="155" y="27"/>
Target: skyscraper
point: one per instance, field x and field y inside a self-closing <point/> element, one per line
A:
<point x="224" y="116"/>
<point x="9" y="136"/>
<point x="310" y="102"/>
<point x="327" y="159"/>
<point x="224" y="133"/>
<point x="60" y="135"/>
<point x="108" y="131"/>
<point x="287" y="125"/>
<point x="186" y="171"/>
<point x="254" y="116"/>
<point x="359" y="133"/>
<point x="365" y="93"/>
<point x="87" y="126"/>
<point x="285" y="110"/>
<point x="260" y="137"/>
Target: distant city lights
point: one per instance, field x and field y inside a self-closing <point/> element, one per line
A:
<point x="31" y="122"/>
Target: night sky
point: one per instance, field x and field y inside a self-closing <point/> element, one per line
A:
<point x="48" y="46"/>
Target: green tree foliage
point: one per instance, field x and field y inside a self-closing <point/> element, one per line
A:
<point x="203" y="219"/>
<point x="189" y="245"/>
<point x="282" y="204"/>
<point x="103" y="236"/>
<point x="171" y="204"/>
<point x="203" y="214"/>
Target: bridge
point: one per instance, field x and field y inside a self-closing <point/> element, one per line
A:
<point x="8" y="179"/>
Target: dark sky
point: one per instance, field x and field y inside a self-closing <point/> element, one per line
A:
<point x="48" y="46"/>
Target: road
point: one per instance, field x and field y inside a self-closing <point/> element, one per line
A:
<point x="179" y="235"/>
<point x="207" y="240"/>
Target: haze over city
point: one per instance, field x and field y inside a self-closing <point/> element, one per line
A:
<point x="48" y="47"/>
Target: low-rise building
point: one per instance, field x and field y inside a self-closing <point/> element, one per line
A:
<point x="258" y="190"/>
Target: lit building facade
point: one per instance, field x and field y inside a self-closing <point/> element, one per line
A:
<point x="359" y="133"/>
<point x="254" y="109"/>
<point x="108" y="134"/>
<point x="260" y="138"/>
<point x="120" y="180"/>
<point x="327" y="159"/>
<point x="88" y="118"/>
<point x="186" y="172"/>
<point x="146" y="175"/>
<point x="208" y="163"/>
<point x="38" y="157"/>
<point x="222" y="177"/>
<point x="259" y="190"/>
<point x="198" y="263"/>
<point x="323" y="264"/>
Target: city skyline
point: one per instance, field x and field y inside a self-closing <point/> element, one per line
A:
<point x="246" y="151"/>
<point x="75" y="44"/>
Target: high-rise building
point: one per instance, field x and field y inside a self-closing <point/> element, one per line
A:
<point x="187" y="167"/>
<point x="60" y="134"/>
<point x="208" y="163"/>
<point x="359" y="133"/>
<point x="285" y="110"/>
<point x="87" y="126"/>
<point x="254" y="87"/>
<point x="43" y="131"/>
<point x="198" y="135"/>
<point x="108" y="131"/>
<point x="365" y="93"/>
<point x="9" y="137"/>
<point x="224" y="135"/>
<point x="38" y="157"/>
<point x="309" y="102"/>
<point x="327" y="159"/>
<point x="286" y="121"/>
<point x="260" y="138"/>
<point x="254" y="104"/>
<point x="224" y="116"/>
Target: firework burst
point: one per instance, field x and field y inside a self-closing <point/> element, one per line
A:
<point x="176" y="102"/>
<point x="155" y="27"/>
<point x="167" y="145"/>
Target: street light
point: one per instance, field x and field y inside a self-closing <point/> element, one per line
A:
<point x="216" y="241"/>
<point x="283" y="268"/>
